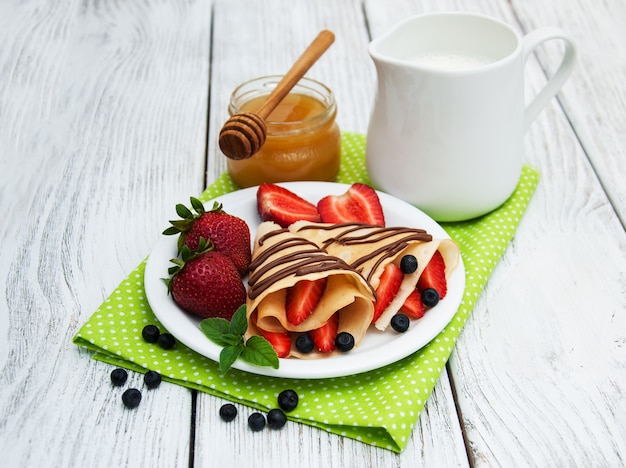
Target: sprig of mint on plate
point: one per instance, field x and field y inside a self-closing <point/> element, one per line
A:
<point x="255" y="350"/>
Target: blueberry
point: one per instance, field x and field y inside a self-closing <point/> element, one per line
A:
<point x="256" y="421"/>
<point x="288" y="400"/>
<point x="304" y="343"/>
<point x="400" y="323"/>
<point x="408" y="264"/>
<point x="152" y="379"/>
<point x="118" y="377"/>
<point x="430" y="297"/>
<point x="276" y="419"/>
<point x="150" y="333"/>
<point x="166" y="341"/>
<point x="228" y="412"/>
<point x="131" y="398"/>
<point x="344" y="342"/>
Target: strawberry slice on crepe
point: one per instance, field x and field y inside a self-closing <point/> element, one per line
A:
<point x="324" y="336"/>
<point x="280" y="341"/>
<point x="302" y="299"/>
<point x="413" y="306"/>
<point x="434" y="276"/>
<point x="388" y="287"/>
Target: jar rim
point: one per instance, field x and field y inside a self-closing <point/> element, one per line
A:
<point x="263" y="85"/>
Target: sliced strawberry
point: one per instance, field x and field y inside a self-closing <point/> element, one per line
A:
<point x="434" y="276"/>
<point x="360" y="203"/>
<point x="302" y="298"/>
<point x="369" y="201"/>
<point x="337" y="209"/>
<point x="280" y="341"/>
<point x="413" y="307"/>
<point x="324" y="337"/>
<point x="278" y="204"/>
<point x="387" y="289"/>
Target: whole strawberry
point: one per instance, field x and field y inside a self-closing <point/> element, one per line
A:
<point x="229" y="234"/>
<point x="206" y="283"/>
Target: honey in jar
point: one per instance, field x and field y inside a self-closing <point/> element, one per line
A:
<point x="303" y="140"/>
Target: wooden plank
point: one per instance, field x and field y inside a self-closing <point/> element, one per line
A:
<point x="434" y="442"/>
<point x="594" y="97"/>
<point x="244" y="48"/>
<point x="539" y="368"/>
<point x="102" y="129"/>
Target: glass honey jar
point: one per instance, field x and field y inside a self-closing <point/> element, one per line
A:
<point x="303" y="140"/>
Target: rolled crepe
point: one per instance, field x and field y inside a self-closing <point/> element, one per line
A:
<point x="280" y="259"/>
<point x="368" y="249"/>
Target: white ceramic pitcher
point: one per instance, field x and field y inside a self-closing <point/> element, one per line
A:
<point x="447" y="125"/>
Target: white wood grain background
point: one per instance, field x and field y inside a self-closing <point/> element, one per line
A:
<point x="108" y="118"/>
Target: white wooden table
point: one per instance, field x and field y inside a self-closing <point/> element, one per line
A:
<point x="108" y="117"/>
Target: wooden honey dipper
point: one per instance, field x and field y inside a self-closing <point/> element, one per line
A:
<point x="244" y="133"/>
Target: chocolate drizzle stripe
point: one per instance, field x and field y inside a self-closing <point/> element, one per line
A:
<point x="382" y="234"/>
<point x="310" y="264"/>
<point x="386" y="253"/>
<point x="331" y="227"/>
<point x="283" y="245"/>
<point x="284" y="262"/>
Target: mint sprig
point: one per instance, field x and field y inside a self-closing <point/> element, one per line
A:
<point x="230" y="335"/>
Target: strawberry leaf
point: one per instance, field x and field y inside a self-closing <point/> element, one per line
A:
<point x="185" y="254"/>
<point x="170" y="231"/>
<point x="259" y="351"/>
<point x="228" y="356"/>
<point x="183" y="211"/>
<point x="197" y="205"/>
<point x="178" y="226"/>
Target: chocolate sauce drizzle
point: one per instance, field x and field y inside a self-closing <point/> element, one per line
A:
<point x="349" y="236"/>
<point x="312" y="259"/>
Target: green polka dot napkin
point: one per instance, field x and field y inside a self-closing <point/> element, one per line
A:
<point x="379" y="407"/>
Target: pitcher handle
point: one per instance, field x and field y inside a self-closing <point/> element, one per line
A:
<point x="529" y="43"/>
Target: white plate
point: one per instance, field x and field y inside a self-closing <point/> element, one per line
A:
<point x="377" y="348"/>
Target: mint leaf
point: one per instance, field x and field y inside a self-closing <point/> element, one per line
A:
<point x="230" y="339"/>
<point x="256" y="350"/>
<point x="215" y="329"/>
<point x="228" y="356"/>
<point x="239" y="322"/>
<point x="259" y="351"/>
